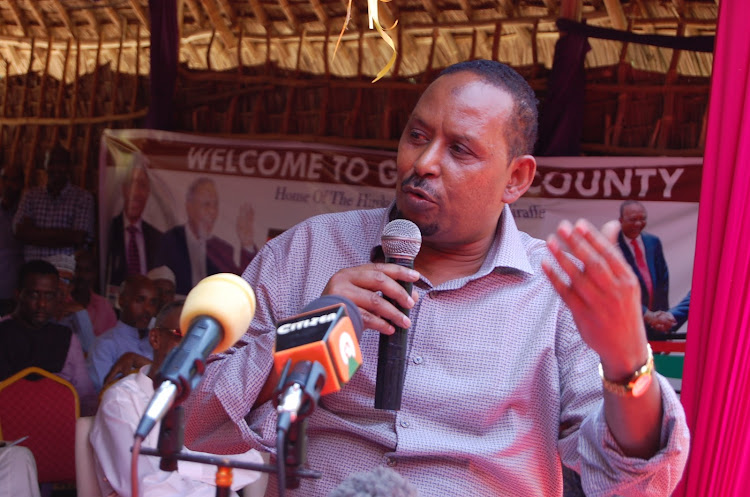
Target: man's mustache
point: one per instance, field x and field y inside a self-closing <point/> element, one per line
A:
<point x="421" y="183"/>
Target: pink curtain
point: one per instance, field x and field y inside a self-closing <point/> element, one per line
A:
<point x="716" y="382"/>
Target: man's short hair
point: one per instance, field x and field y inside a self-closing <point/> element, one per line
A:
<point x="523" y="124"/>
<point x="627" y="203"/>
<point x="57" y="154"/>
<point x="36" y="266"/>
<point x="166" y="311"/>
<point x="197" y="184"/>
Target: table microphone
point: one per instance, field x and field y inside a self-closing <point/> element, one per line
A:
<point x="217" y="312"/>
<point x="401" y="242"/>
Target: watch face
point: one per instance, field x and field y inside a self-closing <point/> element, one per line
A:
<point x="641" y="384"/>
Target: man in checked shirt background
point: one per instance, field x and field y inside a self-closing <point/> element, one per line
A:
<point x="58" y="218"/>
<point x="519" y="360"/>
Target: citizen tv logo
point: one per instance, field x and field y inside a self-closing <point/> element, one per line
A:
<point x="306" y="323"/>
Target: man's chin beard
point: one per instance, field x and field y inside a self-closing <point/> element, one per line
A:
<point x="425" y="229"/>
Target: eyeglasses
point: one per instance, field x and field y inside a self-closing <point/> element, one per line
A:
<point x="174" y="332"/>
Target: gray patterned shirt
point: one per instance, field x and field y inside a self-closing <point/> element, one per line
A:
<point x="500" y="390"/>
<point x="73" y="208"/>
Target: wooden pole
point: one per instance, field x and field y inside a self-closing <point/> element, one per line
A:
<point x="61" y="93"/>
<point x="92" y="111"/>
<point x="74" y="110"/>
<point x="116" y="80"/>
<point x="22" y="111"/>
<point x="39" y="107"/>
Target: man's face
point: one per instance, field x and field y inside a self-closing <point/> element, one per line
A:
<point x="37" y="300"/>
<point x="633" y="220"/>
<point x="202" y="210"/>
<point x="138" y="305"/>
<point x="85" y="270"/>
<point x="165" y="336"/>
<point x="135" y="194"/>
<point x="58" y="173"/>
<point x="165" y="291"/>
<point x="453" y="160"/>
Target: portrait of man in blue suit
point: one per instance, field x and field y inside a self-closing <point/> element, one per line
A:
<point x="644" y="253"/>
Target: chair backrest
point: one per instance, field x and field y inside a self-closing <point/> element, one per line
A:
<point x="87" y="484"/>
<point x="44" y="407"/>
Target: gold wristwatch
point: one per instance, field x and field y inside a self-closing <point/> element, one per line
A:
<point x="637" y="384"/>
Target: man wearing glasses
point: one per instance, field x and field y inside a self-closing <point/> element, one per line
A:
<point x="120" y="410"/>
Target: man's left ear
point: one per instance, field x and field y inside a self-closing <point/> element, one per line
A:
<point x="523" y="169"/>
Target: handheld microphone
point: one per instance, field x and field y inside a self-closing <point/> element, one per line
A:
<point x="401" y="241"/>
<point x="316" y="352"/>
<point x="217" y="312"/>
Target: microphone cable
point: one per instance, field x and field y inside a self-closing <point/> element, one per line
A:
<point x="280" y="462"/>
<point x="135" y="452"/>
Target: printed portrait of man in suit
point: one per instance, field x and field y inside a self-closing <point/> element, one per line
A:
<point x="192" y="252"/>
<point x="644" y="253"/>
<point x="133" y="242"/>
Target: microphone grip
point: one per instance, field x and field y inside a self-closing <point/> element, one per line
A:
<point x="389" y="383"/>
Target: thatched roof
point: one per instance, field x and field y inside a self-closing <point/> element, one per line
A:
<point x="300" y="34"/>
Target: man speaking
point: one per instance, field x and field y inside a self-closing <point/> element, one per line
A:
<point x="505" y="334"/>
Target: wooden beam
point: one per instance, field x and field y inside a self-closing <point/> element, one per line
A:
<point x="15" y="12"/>
<point x="616" y="14"/>
<point x="259" y="13"/>
<point x="140" y="14"/>
<point x="195" y="10"/>
<point x="60" y="8"/>
<point x="34" y="8"/>
<point x="229" y="11"/>
<point x="319" y="11"/>
<point x="431" y="9"/>
<point x="91" y="19"/>
<point x="466" y="7"/>
<point x="114" y="17"/>
<point x="219" y="23"/>
<point x="287" y="9"/>
<point x="58" y="121"/>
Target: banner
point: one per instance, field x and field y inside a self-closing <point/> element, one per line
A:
<point x="240" y="193"/>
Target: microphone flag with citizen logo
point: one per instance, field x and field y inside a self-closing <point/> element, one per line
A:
<point x="327" y="331"/>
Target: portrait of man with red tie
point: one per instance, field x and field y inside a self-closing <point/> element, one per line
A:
<point x="133" y="242"/>
<point x="644" y="253"/>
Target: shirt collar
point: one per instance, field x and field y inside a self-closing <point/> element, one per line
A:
<point x="144" y="382"/>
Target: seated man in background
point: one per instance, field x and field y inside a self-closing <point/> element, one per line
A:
<point x="31" y="338"/>
<point x="137" y="306"/>
<point x="121" y="409"/>
<point x="11" y="249"/>
<point x="165" y="283"/>
<point x="69" y="312"/>
<point x="100" y="311"/>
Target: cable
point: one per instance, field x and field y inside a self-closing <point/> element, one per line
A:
<point x="134" y="465"/>
<point x="280" y="462"/>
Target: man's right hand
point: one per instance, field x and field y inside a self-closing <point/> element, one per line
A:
<point x="369" y="286"/>
<point x="126" y="364"/>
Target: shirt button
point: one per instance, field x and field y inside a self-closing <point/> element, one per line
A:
<point x="390" y="461"/>
<point x="418" y="359"/>
<point x="404" y="423"/>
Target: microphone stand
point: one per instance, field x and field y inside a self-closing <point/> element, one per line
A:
<point x="169" y="448"/>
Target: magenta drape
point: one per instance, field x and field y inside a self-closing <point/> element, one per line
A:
<point x="716" y="381"/>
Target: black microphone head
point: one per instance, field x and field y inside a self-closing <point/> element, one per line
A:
<point x="351" y="309"/>
<point x="401" y="239"/>
<point x="380" y="482"/>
